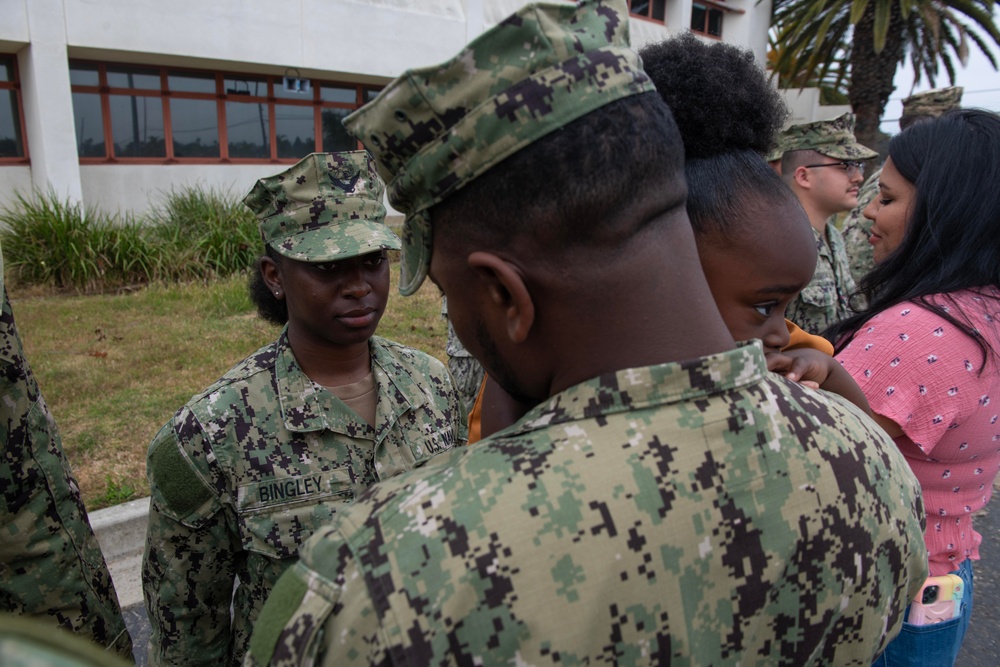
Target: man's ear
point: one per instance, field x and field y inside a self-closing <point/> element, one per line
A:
<point x="506" y="290"/>
<point x="802" y="177"/>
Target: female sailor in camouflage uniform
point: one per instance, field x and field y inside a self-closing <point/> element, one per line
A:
<point x="248" y="469"/>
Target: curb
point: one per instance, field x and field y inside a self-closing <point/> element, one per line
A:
<point x="121" y="532"/>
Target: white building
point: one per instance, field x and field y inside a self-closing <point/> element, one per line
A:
<point x="112" y="102"/>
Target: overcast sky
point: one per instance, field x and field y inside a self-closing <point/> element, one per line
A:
<point x="980" y="81"/>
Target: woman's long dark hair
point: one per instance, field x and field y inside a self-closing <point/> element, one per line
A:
<point x="952" y="238"/>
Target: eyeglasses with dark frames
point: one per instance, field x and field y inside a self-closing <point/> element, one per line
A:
<point x="846" y="165"/>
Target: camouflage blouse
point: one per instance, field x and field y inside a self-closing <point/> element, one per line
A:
<point x="251" y="467"/>
<point x="51" y="565"/>
<point x="696" y="513"/>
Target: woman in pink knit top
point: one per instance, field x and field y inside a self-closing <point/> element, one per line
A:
<point x="926" y="351"/>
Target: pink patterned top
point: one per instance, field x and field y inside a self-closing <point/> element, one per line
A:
<point x="923" y="373"/>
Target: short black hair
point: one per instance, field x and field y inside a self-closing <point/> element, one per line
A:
<point x="728" y="114"/>
<point x="592" y="183"/>
<point x="269" y="307"/>
<point x="792" y="160"/>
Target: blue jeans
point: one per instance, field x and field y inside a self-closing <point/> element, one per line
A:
<point x="934" y="645"/>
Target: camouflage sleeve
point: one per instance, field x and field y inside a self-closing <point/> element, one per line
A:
<point x="461" y="423"/>
<point x="51" y="565"/>
<point x="806" y="313"/>
<point x="860" y="254"/>
<point x="857" y="230"/>
<point x="467" y="376"/>
<point x="188" y="567"/>
<point x="311" y="620"/>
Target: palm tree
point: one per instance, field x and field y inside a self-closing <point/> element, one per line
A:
<point x="831" y="78"/>
<point x="812" y="39"/>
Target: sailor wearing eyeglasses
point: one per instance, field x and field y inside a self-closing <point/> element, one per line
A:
<point x="822" y="163"/>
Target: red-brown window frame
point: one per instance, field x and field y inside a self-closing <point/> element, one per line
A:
<point x="220" y="97"/>
<point x="15" y="85"/>
<point x="710" y="6"/>
<point x="649" y="12"/>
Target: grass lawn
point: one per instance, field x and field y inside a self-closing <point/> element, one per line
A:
<point x="114" y="368"/>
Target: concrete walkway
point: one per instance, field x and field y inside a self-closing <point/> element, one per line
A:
<point x="121" y="530"/>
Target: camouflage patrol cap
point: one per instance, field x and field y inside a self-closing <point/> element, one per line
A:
<point x="327" y="206"/>
<point x="436" y="129"/>
<point x="933" y="102"/>
<point x="833" y="138"/>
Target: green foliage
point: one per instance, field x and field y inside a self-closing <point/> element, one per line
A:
<point x="812" y="40"/>
<point x="194" y="234"/>
<point x="116" y="492"/>
<point x="115" y="367"/>
<point x="54" y="243"/>
<point x="209" y="234"/>
<point x="858" y="45"/>
<point x="831" y="76"/>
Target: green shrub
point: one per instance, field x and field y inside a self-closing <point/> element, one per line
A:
<point x="194" y="234"/>
<point x="209" y="233"/>
<point x="54" y="243"/>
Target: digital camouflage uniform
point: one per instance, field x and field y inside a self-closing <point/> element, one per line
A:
<point x="826" y="299"/>
<point x="249" y="468"/>
<point x="857" y="228"/>
<point x="31" y="642"/>
<point x="704" y="513"/>
<point x="466" y="372"/>
<point x="51" y="565"/>
<point x="695" y="513"/>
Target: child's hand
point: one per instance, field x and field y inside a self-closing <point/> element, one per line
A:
<point x="813" y="368"/>
<point x="806" y="366"/>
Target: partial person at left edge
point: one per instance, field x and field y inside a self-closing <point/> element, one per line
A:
<point x="245" y="472"/>
<point x="51" y="565"/>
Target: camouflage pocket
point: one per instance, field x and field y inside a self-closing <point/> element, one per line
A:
<point x="277" y="515"/>
<point x="820" y="293"/>
<point x="733" y="461"/>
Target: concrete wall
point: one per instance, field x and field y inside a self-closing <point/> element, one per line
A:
<point x="317" y="36"/>
<point x="805" y="107"/>
<point x="14" y="178"/>
<point x="14" y="26"/>
<point x="138" y="188"/>
<point x="357" y="41"/>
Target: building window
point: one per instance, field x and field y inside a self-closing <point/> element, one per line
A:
<point x="161" y="114"/>
<point x="12" y="148"/>
<point x="650" y="9"/>
<point x="706" y="20"/>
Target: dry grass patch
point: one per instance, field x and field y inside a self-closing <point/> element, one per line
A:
<point x="114" y="368"/>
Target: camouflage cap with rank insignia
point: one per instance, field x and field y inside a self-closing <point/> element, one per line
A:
<point x="832" y="138"/>
<point x="934" y="102"/>
<point x="436" y="129"/>
<point x="325" y="207"/>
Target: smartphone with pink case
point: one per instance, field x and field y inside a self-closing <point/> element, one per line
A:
<point x="939" y="600"/>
